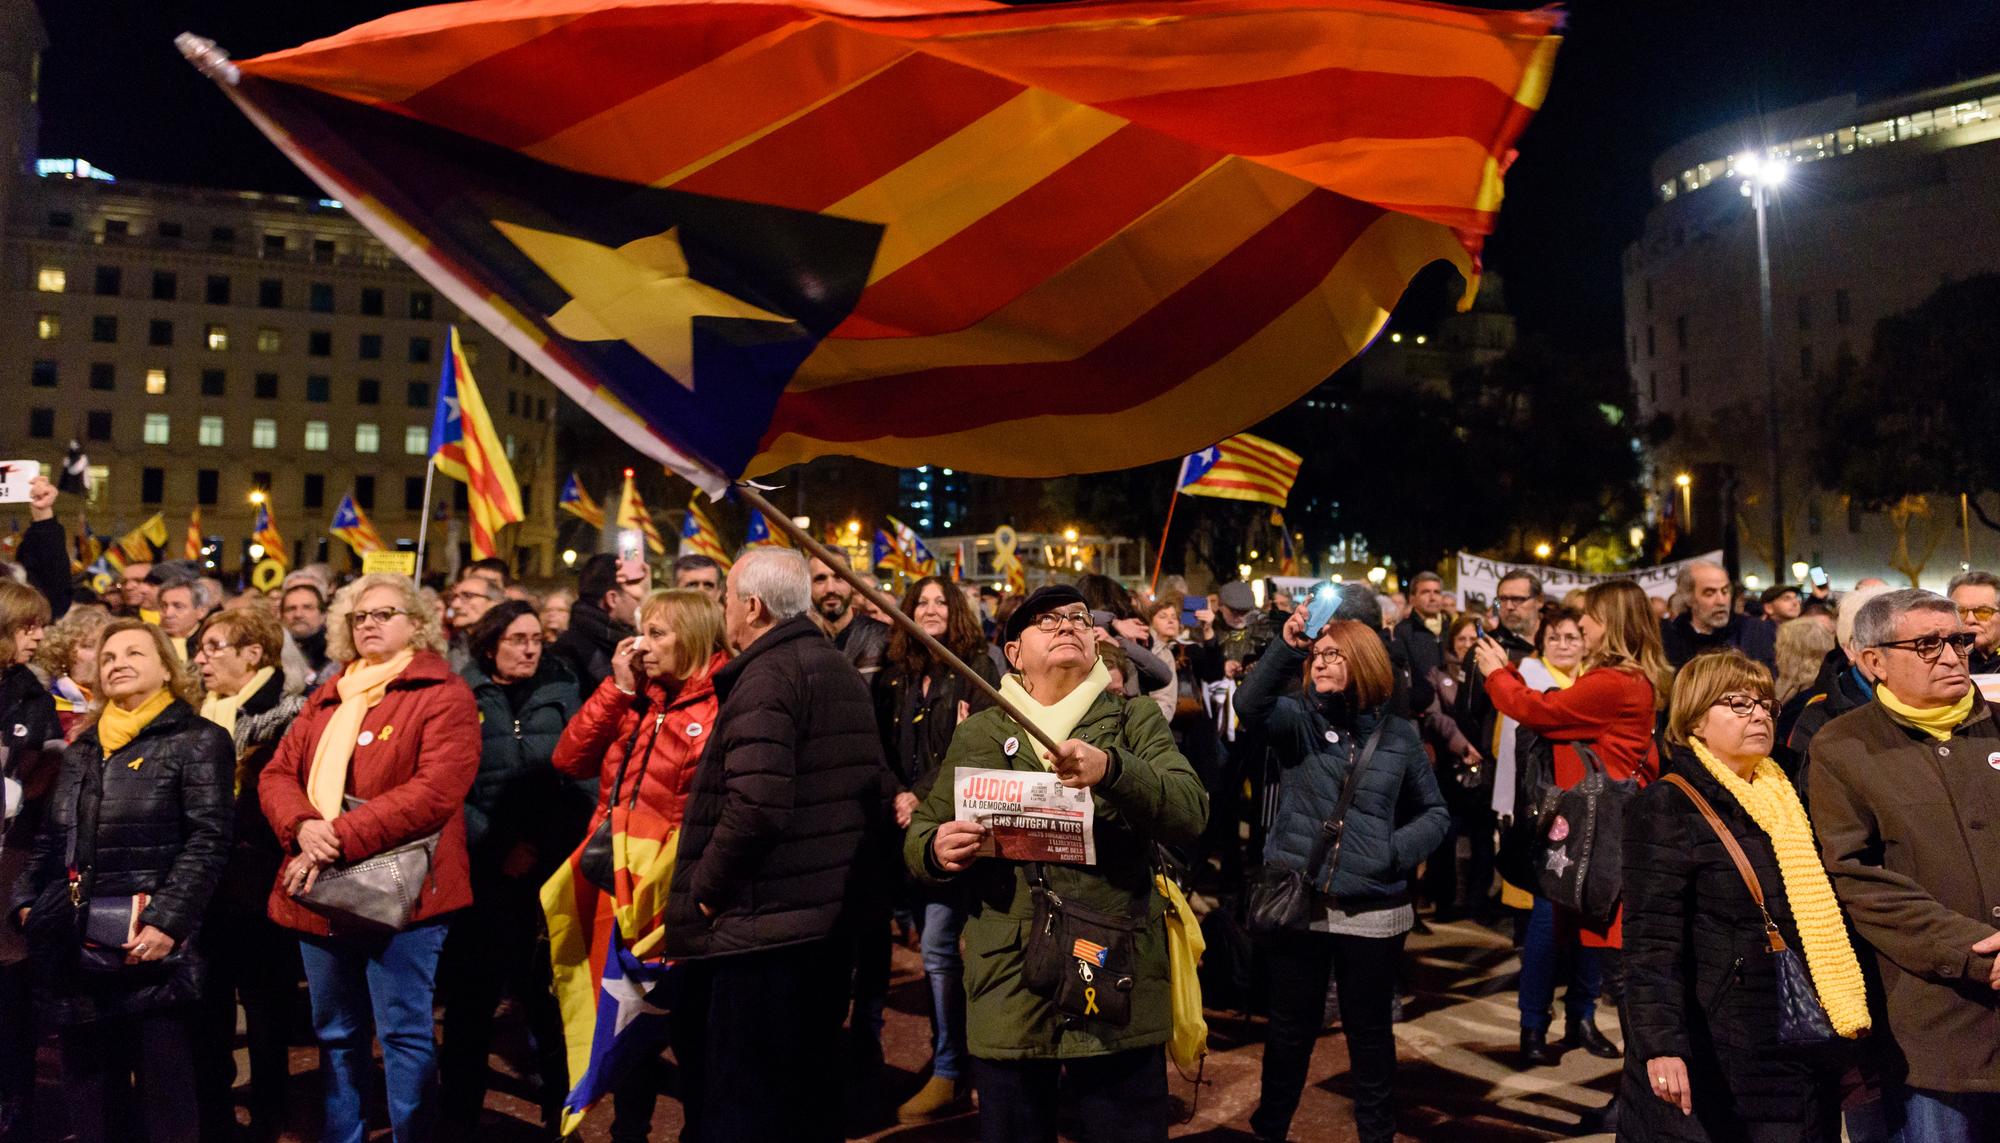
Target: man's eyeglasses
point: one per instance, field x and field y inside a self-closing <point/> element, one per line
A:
<point x="1513" y="600"/>
<point x="1329" y="656"/>
<point x="1977" y="614"/>
<point x="1052" y="621"/>
<point x="1744" y="706"/>
<point x="380" y="616"/>
<point x="1930" y="648"/>
<point x="466" y="595"/>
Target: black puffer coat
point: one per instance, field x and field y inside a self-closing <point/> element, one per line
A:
<point x="1700" y="983"/>
<point x="163" y="813"/>
<point x="790" y="786"/>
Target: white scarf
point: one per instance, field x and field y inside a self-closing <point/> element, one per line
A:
<point x="1059" y="719"/>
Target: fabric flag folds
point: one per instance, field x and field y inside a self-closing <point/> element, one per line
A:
<point x="748" y="234"/>
<point x="352" y="527"/>
<point x="761" y="535"/>
<point x="632" y="514"/>
<point x="889" y="556"/>
<point x="266" y="533"/>
<point x="466" y="447"/>
<point x="141" y="544"/>
<point x="699" y="536"/>
<point x="1241" y="468"/>
<point x="1288" y="554"/>
<point x="917" y="558"/>
<point x="192" y="545"/>
<point x="577" y="501"/>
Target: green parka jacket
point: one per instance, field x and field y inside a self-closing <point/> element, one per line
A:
<point x="1150" y="795"/>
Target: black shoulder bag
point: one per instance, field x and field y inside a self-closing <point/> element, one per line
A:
<point x="1582" y="832"/>
<point x="1081" y="958"/>
<point x="1282" y="898"/>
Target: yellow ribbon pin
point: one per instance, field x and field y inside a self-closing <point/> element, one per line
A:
<point x="1090" y="1002"/>
<point x="134" y="763"/>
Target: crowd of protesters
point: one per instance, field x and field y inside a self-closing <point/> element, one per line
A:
<point x="1794" y="794"/>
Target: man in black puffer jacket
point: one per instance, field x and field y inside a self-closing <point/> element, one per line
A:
<point x="790" y="788"/>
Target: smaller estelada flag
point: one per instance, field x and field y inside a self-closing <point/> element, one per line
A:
<point x="632" y="514"/>
<point x="578" y="502"/>
<point x="352" y="527"/>
<point x="192" y="548"/>
<point x="266" y="533"/>
<point x="761" y="535"/>
<point x="699" y="536"/>
<point x="1089" y="952"/>
<point x="1241" y="468"/>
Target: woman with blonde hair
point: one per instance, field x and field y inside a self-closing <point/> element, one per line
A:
<point x="1703" y="933"/>
<point x="68" y="657"/>
<point x="380" y="759"/>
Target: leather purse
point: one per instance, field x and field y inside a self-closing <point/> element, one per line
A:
<point x="375" y="894"/>
<point x="1282" y="898"/>
<point x="1084" y="960"/>
<point x="1802" y="1020"/>
<point x="1581" y="832"/>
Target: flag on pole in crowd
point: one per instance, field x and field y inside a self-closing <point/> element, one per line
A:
<point x="467" y="448"/>
<point x="1150" y="222"/>
<point x="632" y="514"/>
<point x="1288" y="555"/>
<point x="1241" y="468"/>
<point x="699" y="536"/>
<point x="75" y="475"/>
<point x="89" y="545"/>
<point x="266" y="533"/>
<point x="352" y="527"/>
<point x="919" y="558"/>
<point x="12" y="540"/>
<point x="958" y="564"/>
<point x="888" y="555"/>
<point x="143" y="543"/>
<point x="193" y="545"/>
<point x="578" y="502"/>
<point x="760" y="534"/>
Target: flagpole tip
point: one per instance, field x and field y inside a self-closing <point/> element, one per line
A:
<point x="208" y="58"/>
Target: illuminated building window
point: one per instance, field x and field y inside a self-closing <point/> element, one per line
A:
<point x="51" y="280"/>
<point x="157" y="430"/>
<point x="269" y="341"/>
<point x="48" y="327"/>
<point x="210" y="433"/>
<point x="417" y="440"/>
<point x="263" y="433"/>
<point x="156" y="382"/>
<point x="218" y="337"/>
<point x="316" y="436"/>
<point x="367" y="438"/>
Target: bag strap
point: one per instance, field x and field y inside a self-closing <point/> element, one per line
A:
<point x="1736" y="855"/>
<point x="1331" y="828"/>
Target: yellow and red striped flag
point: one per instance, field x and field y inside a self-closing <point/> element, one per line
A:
<point x="1241" y="468"/>
<point x="632" y="514"/>
<point x="576" y="500"/>
<point x="699" y="536"/>
<point x="748" y="234"/>
<point x="352" y="527"/>
<point x="266" y="533"/>
<point x="193" y="545"/>
<point x="466" y="447"/>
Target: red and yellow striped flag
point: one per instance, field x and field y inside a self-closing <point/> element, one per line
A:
<point x="1241" y="468"/>
<point x="748" y="234"/>
<point x="467" y="448"/>
<point x="192" y="547"/>
<point x="699" y="536"/>
<point x="632" y="514"/>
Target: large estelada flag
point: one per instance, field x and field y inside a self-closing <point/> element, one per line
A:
<point x="1241" y="468"/>
<point x="466" y="447"/>
<point x="1024" y="240"/>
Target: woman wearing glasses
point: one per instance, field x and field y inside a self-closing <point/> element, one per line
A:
<point x="381" y="756"/>
<point x="1702" y="995"/>
<point x="521" y="819"/>
<point x="1361" y="911"/>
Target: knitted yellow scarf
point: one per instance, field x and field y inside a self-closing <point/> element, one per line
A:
<point x="116" y="726"/>
<point x="1059" y="718"/>
<point x="1938" y="721"/>
<point x="1774" y="806"/>
<point x="361" y="686"/>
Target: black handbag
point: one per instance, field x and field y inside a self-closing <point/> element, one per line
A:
<point x="1083" y="959"/>
<point x="1802" y="1020"/>
<point x="1581" y="833"/>
<point x="1282" y="897"/>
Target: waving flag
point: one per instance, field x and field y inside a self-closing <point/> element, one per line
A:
<point x="919" y="558"/>
<point x="466" y="448"/>
<point x="266" y="533"/>
<point x="888" y="555"/>
<point x="1241" y="468"/>
<point x="577" y="501"/>
<point x="748" y="234"/>
<point x="632" y="514"/>
<point x="1288" y="561"/>
<point x="351" y="526"/>
<point x="761" y="536"/>
<point x="143" y="543"/>
<point x="699" y="536"/>
<point x="191" y="546"/>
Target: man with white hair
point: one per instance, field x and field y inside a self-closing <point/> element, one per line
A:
<point x="789" y="791"/>
<point x="1712" y="621"/>
<point x="1840" y="687"/>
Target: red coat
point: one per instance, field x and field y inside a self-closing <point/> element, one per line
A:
<point x="593" y="745"/>
<point x="414" y="773"/>
<point x="1610" y="709"/>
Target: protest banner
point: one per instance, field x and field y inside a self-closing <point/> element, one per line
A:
<point x="1478" y="576"/>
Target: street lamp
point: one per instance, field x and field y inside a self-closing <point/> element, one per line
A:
<point x="1686" y="485"/>
<point x="1543" y="551"/>
<point x="569" y="557"/>
<point x="1799" y="570"/>
<point x="1069" y="535"/>
<point x="1377" y="574"/>
<point x="1764" y="174"/>
<point x="257" y="496"/>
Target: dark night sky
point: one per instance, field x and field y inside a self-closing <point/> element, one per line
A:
<point x="1633" y="77"/>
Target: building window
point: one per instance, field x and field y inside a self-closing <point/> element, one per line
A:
<point x="61" y="220"/>
<point x="420" y="305"/>
<point x="371" y="301"/>
<point x="261" y="480"/>
<point x="1653" y="388"/>
<point x="319" y="388"/>
<point x="218" y="290"/>
<point x="157" y="430"/>
<point x="371" y="347"/>
<point x="222" y="235"/>
<point x="117" y="227"/>
<point x="152" y="485"/>
<point x="51" y="280"/>
<point x="265" y="385"/>
<point x="1686" y="385"/>
<point x="316" y="436"/>
<point x="413" y="494"/>
<point x="44" y="374"/>
<point x="420" y="350"/>
<point x="97" y="424"/>
<point x="417" y="440"/>
<point x="368" y="391"/>
<point x="319" y="343"/>
<point x="1651" y="347"/>
<point x="209" y="434"/>
<point x="217" y="337"/>
<point x="41" y="423"/>
<point x="109" y="279"/>
<point x="271" y="293"/>
<point x="274" y="245"/>
<point x="364" y="492"/>
<point x="315" y="490"/>
<point x="269" y="340"/>
<point x="160" y="332"/>
<point x="263" y="433"/>
<point x="367" y="438"/>
<point x="104" y="329"/>
<point x="508" y="445"/>
<point x="48" y="327"/>
<point x="214" y="383"/>
<point x="103" y="375"/>
<point x="166" y="286"/>
<point x="418" y="395"/>
<point x="156" y="382"/>
<point x="1840" y="311"/>
<point x="207" y="486"/>
<point x="513" y="403"/>
<point x="319" y="297"/>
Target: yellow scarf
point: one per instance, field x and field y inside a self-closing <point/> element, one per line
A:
<point x="222" y="711"/>
<point x="361" y="686"/>
<point x="1435" y="624"/>
<point x="1936" y="721"/>
<point x="1774" y="805"/>
<point x="116" y="726"/>
<point x="1564" y="680"/>
<point x="1058" y="719"/>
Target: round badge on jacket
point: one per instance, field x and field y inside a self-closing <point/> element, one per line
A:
<point x="1992" y="759"/>
<point x="1333" y="736"/>
<point x="694" y="730"/>
<point x="1011" y="747"/>
<point x="1559" y="829"/>
<point x="364" y="738"/>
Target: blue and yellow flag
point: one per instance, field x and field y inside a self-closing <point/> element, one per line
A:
<point x="762" y="535"/>
<point x="578" y="502"/>
<point x="699" y="536"/>
<point x="352" y="527"/>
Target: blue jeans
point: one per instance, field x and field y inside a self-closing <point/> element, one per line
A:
<point x="1540" y="954"/>
<point x="391" y="979"/>
<point x="1948" y="1117"/>
<point x="943" y="923"/>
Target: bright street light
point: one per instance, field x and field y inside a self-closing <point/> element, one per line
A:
<point x="256" y="496"/>
<point x="1069" y="535"/>
<point x="1543" y="551"/>
<point x="1799" y="570"/>
<point x="569" y="557"/>
<point x="1683" y="480"/>
<point x="1377" y="574"/>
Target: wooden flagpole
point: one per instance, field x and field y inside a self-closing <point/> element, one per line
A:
<point x="1160" y="556"/>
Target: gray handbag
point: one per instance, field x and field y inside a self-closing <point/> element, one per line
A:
<point x="375" y="894"/>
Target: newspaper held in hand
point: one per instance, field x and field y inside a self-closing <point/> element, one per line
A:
<point x="1029" y="816"/>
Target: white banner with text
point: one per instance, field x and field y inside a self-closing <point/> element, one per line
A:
<point x="1481" y="577"/>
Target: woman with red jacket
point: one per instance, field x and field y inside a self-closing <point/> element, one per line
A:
<point x="640" y="734"/>
<point x="382" y="755"/>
